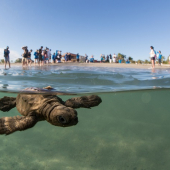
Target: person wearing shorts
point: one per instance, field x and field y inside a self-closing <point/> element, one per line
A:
<point x="6" y="56"/>
<point x="40" y="56"/>
<point x="152" y="55"/>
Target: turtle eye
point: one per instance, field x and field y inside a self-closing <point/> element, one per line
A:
<point x="62" y="120"/>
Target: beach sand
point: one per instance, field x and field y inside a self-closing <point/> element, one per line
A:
<point x="114" y="65"/>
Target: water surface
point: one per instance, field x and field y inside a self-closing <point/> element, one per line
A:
<point x="83" y="79"/>
<point x="129" y="130"/>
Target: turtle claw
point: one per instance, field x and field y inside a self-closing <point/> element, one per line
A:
<point x="7" y="103"/>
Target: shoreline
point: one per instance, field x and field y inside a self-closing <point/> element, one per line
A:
<point x="114" y="65"/>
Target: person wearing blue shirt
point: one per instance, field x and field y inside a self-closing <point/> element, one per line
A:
<point x="159" y="55"/>
<point x="53" y="58"/>
<point x="92" y="59"/>
<point x="77" y="57"/>
<point x="35" y="57"/>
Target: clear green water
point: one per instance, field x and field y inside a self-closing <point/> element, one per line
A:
<point x="127" y="131"/>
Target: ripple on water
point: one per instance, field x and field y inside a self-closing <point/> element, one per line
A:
<point x="83" y="79"/>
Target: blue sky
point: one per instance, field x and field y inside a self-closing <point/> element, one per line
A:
<point x="94" y="27"/>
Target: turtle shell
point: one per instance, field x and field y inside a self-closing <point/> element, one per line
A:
<point x="45" y="90"/>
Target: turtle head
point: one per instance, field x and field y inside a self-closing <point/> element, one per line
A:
<point x="63" y="116"/>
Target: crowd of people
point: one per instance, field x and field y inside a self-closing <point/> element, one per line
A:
<point x="41" y="56"/>
<point x="109" y="58"/>
<point x="44" y="56"/>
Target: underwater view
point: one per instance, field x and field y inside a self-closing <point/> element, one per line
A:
<point x="128" y="130"/>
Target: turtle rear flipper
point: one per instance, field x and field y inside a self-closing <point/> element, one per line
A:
<point x="7" y="103"/>
<point x="9" y="125"/>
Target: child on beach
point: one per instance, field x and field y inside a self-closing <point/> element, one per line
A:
<point x="91" y="59"/>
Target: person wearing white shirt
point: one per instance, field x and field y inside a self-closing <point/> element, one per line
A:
<point x="152" y="55"/>
<point x="114" y="58"/>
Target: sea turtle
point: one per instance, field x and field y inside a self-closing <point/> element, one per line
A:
<point x="36" y="107"/>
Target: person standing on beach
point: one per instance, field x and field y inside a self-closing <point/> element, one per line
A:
<point x="6" y="56"/>
<point x="40" y="56"/>
<point x="77" y="57"/>
<point x="152" y="55"/>
<point x="29" y="61"/>
<point x="45" y="56"/>
<point x="91" y="59"/>
<point x="110" y="58"/>
<point x="101" y="58"/>
<point x="169" y="58"/>
<point x="86" y="58"/>
<point x="54" y="58"/>
<point x="159" y="57"/>
<point x="35" y="57"/>
<point x="49" y="55"/>
<point x="66" y="57"/>
<point x="107" y="58"/>
<point x="25" y="56"/>
<point x="114" y="58"/>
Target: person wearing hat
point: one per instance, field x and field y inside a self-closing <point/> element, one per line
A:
<point x="6" y="56"/>
<point x="36" y="56"/>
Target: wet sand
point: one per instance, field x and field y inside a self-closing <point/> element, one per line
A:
<point x="114" y="65"/>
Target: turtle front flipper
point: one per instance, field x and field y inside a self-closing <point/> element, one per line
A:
<point x="7" y="103"/>
<point x="9" y="125"/>
<point x="84" y="101"/>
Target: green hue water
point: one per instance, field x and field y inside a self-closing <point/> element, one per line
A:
<point x="127" y="131"/>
